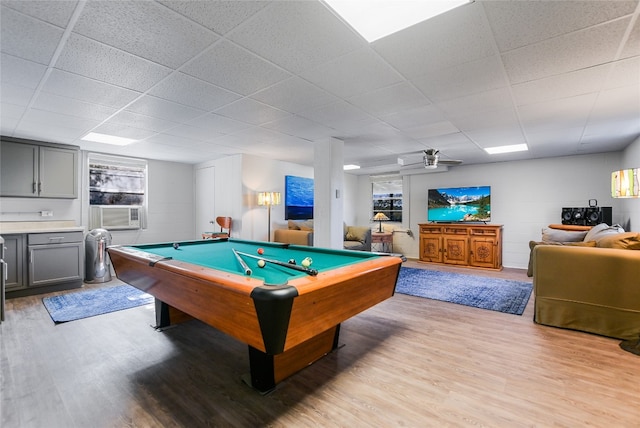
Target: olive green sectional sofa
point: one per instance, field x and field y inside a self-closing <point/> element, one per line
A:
<point x="593" y="288"/>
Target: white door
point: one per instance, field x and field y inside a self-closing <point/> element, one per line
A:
<point x="205" y="206"/>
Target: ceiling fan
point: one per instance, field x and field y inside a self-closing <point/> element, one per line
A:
<point x="430" y="160"/>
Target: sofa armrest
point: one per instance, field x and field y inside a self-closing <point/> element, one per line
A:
<point x="293" y="236"/>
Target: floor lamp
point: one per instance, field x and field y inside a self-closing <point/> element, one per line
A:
<point x="268" y="199"/>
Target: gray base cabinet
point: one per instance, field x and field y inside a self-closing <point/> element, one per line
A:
<point x="43" y="262"/>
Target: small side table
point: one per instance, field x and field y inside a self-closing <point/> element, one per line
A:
<point x="382" y="242"/>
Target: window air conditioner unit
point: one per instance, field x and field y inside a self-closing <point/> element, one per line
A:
<point x="115" y="217"/>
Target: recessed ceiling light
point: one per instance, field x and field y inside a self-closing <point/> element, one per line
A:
<point x="375" y="19"/>
<point x="349" y="167"/>
<point x="107" y="139"/>
<point x="506" y="149"/>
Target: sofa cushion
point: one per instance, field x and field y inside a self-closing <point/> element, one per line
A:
<point x="533" y="244"/>
<point x="624" y="241"/>
<point x="601" y="230"/>
<point x="356" y="233"/>
<point x="306" y="225"/>
<point x="558" y="235"/>
<point x="293" y="225"/>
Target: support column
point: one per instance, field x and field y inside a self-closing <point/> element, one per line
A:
<point x="328" y="230"/>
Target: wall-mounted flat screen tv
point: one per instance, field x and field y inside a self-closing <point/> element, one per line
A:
<point x="456" y="204"/>
<point x="298" y="198"/>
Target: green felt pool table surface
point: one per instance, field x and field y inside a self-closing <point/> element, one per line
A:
<point x="218" y="254"/>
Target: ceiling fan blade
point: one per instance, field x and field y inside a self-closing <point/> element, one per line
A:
<point x="449" y="162"/>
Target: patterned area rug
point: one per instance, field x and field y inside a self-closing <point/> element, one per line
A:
<point x="89" y="303"/>
<point x="495" y="294"/>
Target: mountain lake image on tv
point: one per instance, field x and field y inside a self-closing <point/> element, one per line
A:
<point x="459" y="204"/>
<point x="298" y="198"/>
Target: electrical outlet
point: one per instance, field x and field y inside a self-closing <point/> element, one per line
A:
<point x="46" y="213"/>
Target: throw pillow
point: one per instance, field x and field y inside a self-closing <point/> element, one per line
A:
<point x="624" y="241"/>
<point x="602" y="230"/>
<point x="558" y="235"/>
<point x="533" y="244"/>
<point x="306" y="225"/>
<point x="293" y="225"/>
<point x="357" y="233"/>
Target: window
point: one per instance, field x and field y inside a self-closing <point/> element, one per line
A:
<point x="117" y="181"/>
<point x="387" y="198"/>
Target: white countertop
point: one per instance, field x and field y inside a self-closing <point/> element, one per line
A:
<point x="9" y="227"/>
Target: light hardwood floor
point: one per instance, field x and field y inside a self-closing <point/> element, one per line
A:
<point x="407" y="362"/>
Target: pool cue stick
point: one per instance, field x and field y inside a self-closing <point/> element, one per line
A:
<point x="245" y="266"/>
<point x="308" y="271"/>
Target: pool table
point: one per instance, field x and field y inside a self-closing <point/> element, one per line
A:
<point x="288" y="318"/>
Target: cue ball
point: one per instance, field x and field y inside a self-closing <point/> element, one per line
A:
<point x="292" y="261"/>
<point x="176" y="245"/>
<point x="260" y="251"/>
<point x="261" y="263"/>
<point x="307" y="262"/>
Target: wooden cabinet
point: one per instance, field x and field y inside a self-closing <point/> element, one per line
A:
<point x="31" y="170"/>
<point x="474" y="245"/>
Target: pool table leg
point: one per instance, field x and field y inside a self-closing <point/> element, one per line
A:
<point x="268" y="370"/>
<point x="167" y="315"/>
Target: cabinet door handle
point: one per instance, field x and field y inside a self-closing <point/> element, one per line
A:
<point x="40" y="187"/>
<point x="56" y="238"/>
<point x="35" y="189"/>
<point x="5" y="269"/>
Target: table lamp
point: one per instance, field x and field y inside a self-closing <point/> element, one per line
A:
<point x="380" y="217"/>
<point x="268" y="199"/>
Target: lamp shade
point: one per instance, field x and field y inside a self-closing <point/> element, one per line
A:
<point x="625" y="183"/>
<point x="380" y="217"/>
<point x="269" y="198"/>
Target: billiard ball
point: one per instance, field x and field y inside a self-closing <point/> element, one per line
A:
<point x="176" y="245"/>
<point x="292" y="261"/>
<point x="260" y="251"/>
<point x="307" y="262"/>
<point x="261" y="263"/>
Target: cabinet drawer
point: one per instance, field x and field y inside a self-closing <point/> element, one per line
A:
<point x="456" y="230"/>
<point x="54" y="238"/>
<point x="431" y="230"/>
<point x="484" y="232"/>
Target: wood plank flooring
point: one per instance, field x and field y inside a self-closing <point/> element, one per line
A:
<point x="407" y="362"/>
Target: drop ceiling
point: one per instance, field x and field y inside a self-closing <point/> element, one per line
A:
<point x="200" y="80"/>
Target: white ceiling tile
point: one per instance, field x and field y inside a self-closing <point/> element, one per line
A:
<point x="38" y="44"/>
<point x="341" y="116"/>
<point x="218" y="124"/>
<point x="565" y="113"/>
<point x="487" y="119"/>
<point x="235" y="68"/>
<point x="301" y="127"/>
<point x="251" y="111"/>
<point x="163" y="109"/>
<point x="297" y="35"/>
<point x="432" y="130"/>
<point x="496" y="99"/>
<point x="517" y="24"/>
<point x="561" y="86"/>
<point x="20" y="71"/>
<point x="135" y="120"/>
<point x="389" y="100"/>
<point x="193" y="133"/>
<point x="85" y="89"/>
<point x="293" y="95"/>
<point x="56" y="13"/>
<point x="106" y="64"/>
<point x="632" y="47"/>
<point x="72" y="107"/>
<point x="17" y="95"/>
<point x="139" y="28"/>
<point x="624" y="73"/>
<point x="481" y="75"/>
<point x="582" y="49"/>
<point x="432" y="45"/>
<point x="414" y="117"/>
<point x="10" y="115"/>
<point x="193" y="92"/>
<point x="501" y="136"/>
<point x="618" y="103"/>
<point x="353" y="74"/>
<point x="219" y="16"/>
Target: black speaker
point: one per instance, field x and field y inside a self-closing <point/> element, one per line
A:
<point x="574" y="216"/>
<point x="597" y="215"/>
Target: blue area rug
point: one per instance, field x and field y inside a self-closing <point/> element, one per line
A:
<point x="495" y="294"/>
<point x="89" y="303"/>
